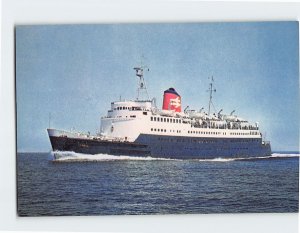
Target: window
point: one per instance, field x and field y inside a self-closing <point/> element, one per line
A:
<point x="164" y="119"/>
<point x="168" y="120"/>
<point x="144" y="113"/>
<point x="154" y="118"/>
<point x="151" y="129"/>
<point x="176" y="120"/>
<point x="151" y="118"/>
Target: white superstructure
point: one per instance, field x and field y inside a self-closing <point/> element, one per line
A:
<point x="126" y="120"/>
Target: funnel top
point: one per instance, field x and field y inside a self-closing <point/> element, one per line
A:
<point x="171" y="90"/>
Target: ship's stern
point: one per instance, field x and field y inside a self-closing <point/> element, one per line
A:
<point x="266" y="147"/>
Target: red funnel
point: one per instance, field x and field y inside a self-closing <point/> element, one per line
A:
<point x="172" y="101"/>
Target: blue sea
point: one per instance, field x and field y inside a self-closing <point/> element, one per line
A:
<point x="78" y="184"/>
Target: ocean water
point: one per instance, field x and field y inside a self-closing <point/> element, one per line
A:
<point x="78" y="184"/>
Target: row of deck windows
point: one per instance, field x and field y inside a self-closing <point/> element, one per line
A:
<point x="163" y="119"/>
<point x="218" y="133"/>
<point x="159" y="130"/>
<point x="164" y="130"/>
<point x="198" y="132"/>
<point x="167" y="139"/>
<point x="201" y="132"/>
<point x="122" y="108"/>
<point x="132" y="116"/>
<point x="129" y="108"/>
<point x="251" y="133"/>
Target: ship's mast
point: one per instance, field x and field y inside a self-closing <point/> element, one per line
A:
<point x="142" y="89"/>
<point x="49" y="120"/>
<point x="211" y="89"/>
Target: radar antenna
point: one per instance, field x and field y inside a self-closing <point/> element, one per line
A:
<point x="211" y="89"/>
<point x="139" y="72"/>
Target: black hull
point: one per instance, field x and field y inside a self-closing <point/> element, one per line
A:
<point x="94" y="146"/>
<point x="166" y="147"/>
<point x="204" y="147"/>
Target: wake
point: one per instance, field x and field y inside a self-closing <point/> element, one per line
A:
<point x="66" y="156"/>
<point x="274" y="155"/>
<point x="61" y="156"/>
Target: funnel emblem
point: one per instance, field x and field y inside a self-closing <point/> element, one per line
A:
<point x="175" y="102"/>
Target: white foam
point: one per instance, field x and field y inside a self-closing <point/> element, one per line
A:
<point x="217" y="160"/>
<point x="279" y="155"/>
<point x="72" y="156"/>
<point x="274" y="155"/>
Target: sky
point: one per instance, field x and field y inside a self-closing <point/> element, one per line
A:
<point x="74" y="72"/>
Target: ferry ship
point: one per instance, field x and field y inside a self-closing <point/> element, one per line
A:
<point x="139" y="128"/>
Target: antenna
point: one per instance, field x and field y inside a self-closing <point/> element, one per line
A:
<point x="139" y="72"/>
<point x="49" y="120"/>
<point x="211" y="90"/>
<point x="186" y="108"/>
<point x="154" y="103"/>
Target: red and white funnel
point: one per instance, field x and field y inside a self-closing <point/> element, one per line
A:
<point x="172" y="100"/>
